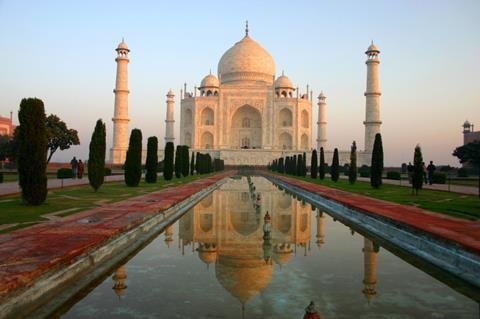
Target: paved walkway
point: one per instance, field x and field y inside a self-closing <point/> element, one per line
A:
<point x="467" y="190"/>
<point x="28" y="253"/>
<point x="463" y="232"/>
<point x="12" y="188"/>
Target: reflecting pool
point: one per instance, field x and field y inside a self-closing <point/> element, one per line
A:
<point x="226" y="259"/>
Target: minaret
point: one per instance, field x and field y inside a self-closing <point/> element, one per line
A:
<point x="120" y="116"/>
<point x="120" y="277"/>
<point x="322" y="122"/>
<point x="370" y="269"/>
<point x="320" y="228"/>
<point x="169" y="121"/>
<point x="372" y="96"/>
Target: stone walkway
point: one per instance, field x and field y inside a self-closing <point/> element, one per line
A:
<point x="12" y="188"/>
<point x="467" y="190"/>
<point x="28" y="253"/>
<point x="463" y="232"/>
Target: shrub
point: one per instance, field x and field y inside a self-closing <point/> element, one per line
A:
<point x="96" y="156"/>
<point x="393" y="175"/>
<point x="32" y="153"/>
<point x="133" y="161"/>
<point x="364" y="171"/>
<point x="1" y="178"/>
<point x="462" y="172"/>
<point x="108" y="171"/>
<point x="168" y="161"/>
<point x="152" y="160"/>
<point x="439" y="178"/>
<point x="64" y="173"/>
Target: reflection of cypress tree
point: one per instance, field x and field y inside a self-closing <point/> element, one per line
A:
<point x="133" y="161"/>
<point x="417" y="178"/>
<point x="32" y="153"/>
<point x="377" y="162"/>
<point x="168" y="161"/>
<point x="334" y="171"/>
<point x="152" y="160"/>
<point x="321" y="168"/>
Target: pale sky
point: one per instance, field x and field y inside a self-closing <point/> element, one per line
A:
<point x="63" y="52"/>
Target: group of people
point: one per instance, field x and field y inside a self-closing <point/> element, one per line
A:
<point x="428" y="172"/>
<point x="78" y="167"/>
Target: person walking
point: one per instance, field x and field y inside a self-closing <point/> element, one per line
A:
<point x="81" y="169"/>
<point x="410" y="172"/>
<point x="74" y="165"/>
<point x="431" y="170"/>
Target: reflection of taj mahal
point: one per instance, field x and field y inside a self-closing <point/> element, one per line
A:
<point x="247" y="115"/>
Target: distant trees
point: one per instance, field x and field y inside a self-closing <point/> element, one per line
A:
<point x="32" y="163"/>
<point x="352" y="173"/>
<point x="417" y="177"/>
<point x="314" y="165"/>
<point x="133" y="161"/>
<point x="335" y="170"/>
<point x="59" y="136"/>
<point x="96" y="156"/>
<point x="321" y="168"/>
<point x="152" y="160"/>
<point x="377" y="162"/>
<point x="470" y="154"/>
<point x="168" y="161"/>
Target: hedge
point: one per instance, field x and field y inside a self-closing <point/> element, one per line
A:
<point x="64" y="173"/>
<point x="394" y="175"/>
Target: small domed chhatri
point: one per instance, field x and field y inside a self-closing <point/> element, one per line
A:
<point x="210" y="81"/>
<point x="122" y="46"/>
<point x="372" y="48"/>
<point x="283" y="82"/>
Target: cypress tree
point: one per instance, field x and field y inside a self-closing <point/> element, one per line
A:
<point x="208" y="163"/>
<point x="281" y="165"/>
<point x="294" y="165"/>
<point x="299" y="171"/>
<point x="185" y="161"/>
<point x="377" y="162"/>
<point x="417" y="177"/>
<point x="96" y="156"/>
<point x="152" y="160"/>
<point x="168" y="161"/>
<point x="334" y="171"/>
<point x="352" y="173"/>
<point x="133" y="161"/>
<point x="314" y="165"/>
<point x="32" y="152"/>
<point x="321" y="168"/>
<point x="304" y="165"/>
<point x="178" y="161"/>
<point x="192" y="164"/>
<point x="197" y="160"/>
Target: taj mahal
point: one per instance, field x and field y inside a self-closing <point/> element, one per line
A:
<point x="247" y="115"/>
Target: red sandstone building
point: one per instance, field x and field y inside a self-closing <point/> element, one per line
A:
<point x="6" y="125"/>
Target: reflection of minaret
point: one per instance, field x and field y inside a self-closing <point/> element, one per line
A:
<point x="169" y="235"/>
<point x="320" y="228"/>
<point x="120" y="276"/>
<point x="370" y="269"/>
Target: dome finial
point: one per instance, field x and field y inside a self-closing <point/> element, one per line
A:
<point x="246" y="28"/>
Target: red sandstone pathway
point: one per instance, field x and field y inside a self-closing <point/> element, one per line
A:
<point x="463" y="232"/>
<point x="28" y="253"/>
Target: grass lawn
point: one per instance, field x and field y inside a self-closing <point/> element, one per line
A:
<point x="72" y="200"/>
<point x="453" y="204"/>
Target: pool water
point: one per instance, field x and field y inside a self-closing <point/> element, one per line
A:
<point x="223" y="259"/>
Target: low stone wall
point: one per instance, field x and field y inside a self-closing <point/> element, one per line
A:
<point x="459" y="259"/>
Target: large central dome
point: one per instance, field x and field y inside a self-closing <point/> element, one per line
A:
<point x="246" y="61"/>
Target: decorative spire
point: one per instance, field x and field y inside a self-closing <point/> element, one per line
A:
<point x="246" y="28"/>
